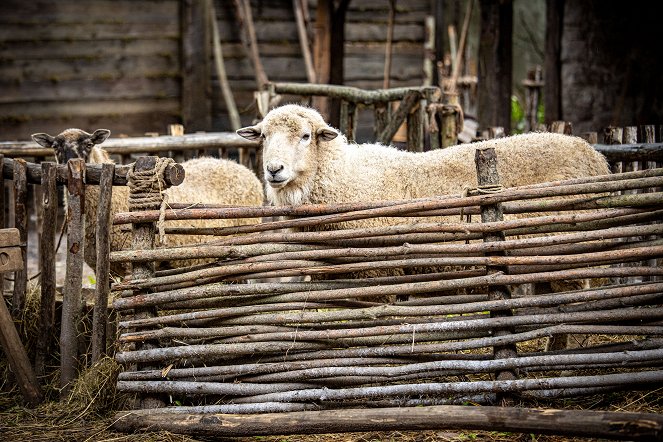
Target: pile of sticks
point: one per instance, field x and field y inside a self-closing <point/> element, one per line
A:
<point x="316" y="339"/>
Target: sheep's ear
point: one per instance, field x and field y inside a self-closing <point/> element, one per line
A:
<point x="326" y="134"/>
<point x="100" y="135"/>
<point x="43" y="139"/>
<point x="250" y="133"/>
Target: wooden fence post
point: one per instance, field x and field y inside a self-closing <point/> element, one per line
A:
<point x="47" y="258"/>
<point x="143" y="238"/>
<point x="71" y="302"/>
<point x="102" y="289"/>
<point x="487" y="176"/>
<point x="21" y="223"/>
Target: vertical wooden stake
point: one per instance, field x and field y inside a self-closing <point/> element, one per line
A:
<point x="49" y="204"/>
<point x="100" y="312"/>
<point x="71" y="302"/>
<point x="21" y="223"/>
<point x="143" y="238"/>
<point x="486" y="163"/>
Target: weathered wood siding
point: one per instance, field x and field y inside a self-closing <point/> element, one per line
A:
<point x="280" y="51"/>
<point x="118" y="64"/>
<point x="111" y="63"/>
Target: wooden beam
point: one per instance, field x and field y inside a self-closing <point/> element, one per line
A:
<point x="603" y="424"/>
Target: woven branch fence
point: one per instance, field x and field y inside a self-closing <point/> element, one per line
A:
<point x="294" y="321"/>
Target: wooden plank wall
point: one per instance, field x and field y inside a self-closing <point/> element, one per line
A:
<point x="365" y="33"/>
<point x="118" y="64"/>
<point x="111" y="63"/>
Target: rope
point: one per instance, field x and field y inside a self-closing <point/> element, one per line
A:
<point x="481" y="190"/>
<point x="146" y="191"/>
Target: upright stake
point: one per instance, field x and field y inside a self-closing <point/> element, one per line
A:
<point x="21" y="223"/>
<point x="71" y="302"/>
<point x="100" y="313"/>
<point x="486" y="163"/>
<point x="49" y="204"/>
<point x="143" y="238"/>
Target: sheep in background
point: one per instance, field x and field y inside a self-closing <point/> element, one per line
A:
<point x="306" y="161"/>
<point x="207" y="180"/>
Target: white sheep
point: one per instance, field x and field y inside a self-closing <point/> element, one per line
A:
<point x="207" y="181"/>
<point x="306" y="161"/>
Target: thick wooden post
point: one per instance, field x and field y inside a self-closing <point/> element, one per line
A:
<point x="487" y="176"/>
<point x="102" y="289"/>
<point x="21" y="223"/>
<point x="71" y="302"/>
<point x="143" y="238"/>
<point x="49" y="204"/>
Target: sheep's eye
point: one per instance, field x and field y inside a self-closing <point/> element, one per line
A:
<point x="306" y="137"/>
<point x="262" y="136"/>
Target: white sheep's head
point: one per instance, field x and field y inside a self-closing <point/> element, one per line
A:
<point x="71" y="143"/>
<point x="290" y="138"/>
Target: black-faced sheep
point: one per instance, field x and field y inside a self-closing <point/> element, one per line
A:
<point x="207" y="180"/>
<point x="307" y="161"/>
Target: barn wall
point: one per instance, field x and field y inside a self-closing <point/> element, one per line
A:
<point x="111" y="63"/>
<point x="281" y="55"/>
<point x="118" y="64"/>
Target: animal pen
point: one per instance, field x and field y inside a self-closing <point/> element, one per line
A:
<point x="248" y="345"/>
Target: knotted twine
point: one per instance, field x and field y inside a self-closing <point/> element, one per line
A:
<point x="146" y="191"/>
<point x="481" y="190"/>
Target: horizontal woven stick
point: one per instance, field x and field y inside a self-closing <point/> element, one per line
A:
<point x="629" y="216"/>
<point x="302" y="267"/>
<point x="414" y="330"/>
<point x="437" y="388"/>
<point x="631" y="200"/>
<point x="427" y="287"/>
<point x="164" y="354"/>
<point x="391" y="310"/>
<point x="252" y="368"/>
<point x="387" y="208"/>
<point x="506" y="195"/>
<point x="250" y="291"/>
<point x="270" y="251"/>
<point x="550" y="229"/>
<point x="458" y="367"/>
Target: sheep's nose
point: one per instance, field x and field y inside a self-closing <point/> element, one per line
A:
<point x="274" y="169"/>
